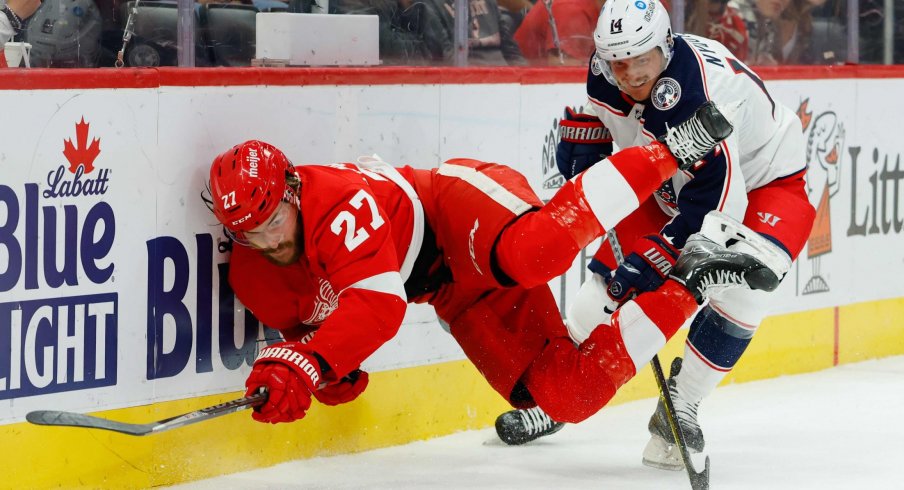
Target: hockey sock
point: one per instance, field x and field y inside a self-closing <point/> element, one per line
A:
<point x="572" y="384"/>
<point x="651" y="319"/>
<point x="541" y="245"/>
<point x="714" y="345"/>
<point x="534" y="249"/>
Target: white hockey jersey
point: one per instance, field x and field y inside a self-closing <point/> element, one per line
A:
<point x="767" y="142"/>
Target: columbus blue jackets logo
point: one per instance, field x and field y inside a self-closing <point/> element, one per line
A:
<point x="596" y="65"/>
<point x="666" y="93"/>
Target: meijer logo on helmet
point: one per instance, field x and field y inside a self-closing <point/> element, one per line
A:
<point x="253" y="160"/>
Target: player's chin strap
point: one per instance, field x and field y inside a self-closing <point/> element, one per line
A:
<point x="699" y="479"/>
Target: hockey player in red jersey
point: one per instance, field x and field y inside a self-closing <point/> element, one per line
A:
<point x="330" y="255"/>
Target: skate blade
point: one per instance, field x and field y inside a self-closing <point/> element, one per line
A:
<point x="661" y="455"/>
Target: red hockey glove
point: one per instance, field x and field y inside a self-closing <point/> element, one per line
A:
<point x="289" y="373"/>
<point x="344" y="390"/>
<point x="645" y="269"/>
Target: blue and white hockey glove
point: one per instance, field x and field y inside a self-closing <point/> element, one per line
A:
<point x="643" y="270"/>
<point x="583" y="141"/>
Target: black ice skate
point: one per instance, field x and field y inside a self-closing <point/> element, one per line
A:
<point x="706" y="264"/>
<point x="693" y="139"/>
<point x="661" y="452"/>
<point x="517" y="427"/>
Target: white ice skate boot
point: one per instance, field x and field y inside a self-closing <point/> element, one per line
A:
<point x="707" y="265"/>
<point x="661" y="452"/>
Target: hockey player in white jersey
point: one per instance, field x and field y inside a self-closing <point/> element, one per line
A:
<point x="642" y="80"/>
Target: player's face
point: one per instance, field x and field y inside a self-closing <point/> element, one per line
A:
<point x="636" y="76"/>
<point x="277" y="239"/>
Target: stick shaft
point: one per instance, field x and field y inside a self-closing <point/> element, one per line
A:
<point x="70" y="419"/>
<point x="699" y="480"/>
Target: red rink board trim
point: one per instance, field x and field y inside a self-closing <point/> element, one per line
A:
<point x="98" y="78"/>
<point x="50" y="78"/>
<point x="369" y="76"/>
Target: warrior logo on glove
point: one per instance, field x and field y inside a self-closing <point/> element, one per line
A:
<point x="643" y="270"/>
<point x="294" y="357"/>
<point x="583" y="141"/>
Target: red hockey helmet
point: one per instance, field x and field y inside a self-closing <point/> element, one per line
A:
<point x="247" y="183"/>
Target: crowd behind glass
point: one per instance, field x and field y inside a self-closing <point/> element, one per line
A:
<point x="90" y="33"/>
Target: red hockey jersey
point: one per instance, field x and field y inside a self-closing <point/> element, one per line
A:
<point x="357" y="225"/>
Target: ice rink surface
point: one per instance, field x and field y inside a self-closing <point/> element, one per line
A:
<point x="835" y="429"/>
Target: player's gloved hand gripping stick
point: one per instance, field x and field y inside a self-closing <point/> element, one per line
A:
<point x="345" y="390"/>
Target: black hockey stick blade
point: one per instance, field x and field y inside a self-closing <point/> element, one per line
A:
<point x="70" y="419"/>
<point x="699" y="479"/>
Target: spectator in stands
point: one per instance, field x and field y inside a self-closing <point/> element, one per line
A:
<point x="574" y="22"/>
<point x="490" y="40"/>
<point x="422" y="32"/>
<point x="797" y="32"/>
<point x="13" y="21"/>
<point x="780" y="31"/>
<point x="829" y="41"/>
<point x="514" y="11"/>
<point x="872" y="24"/>
<point x="716" y="19"/>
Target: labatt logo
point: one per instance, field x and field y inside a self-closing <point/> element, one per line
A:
<point x="59" y="311"/>
<point x="81" y="156"/>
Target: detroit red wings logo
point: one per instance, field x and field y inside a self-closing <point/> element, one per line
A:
<point x="325" y="303"/>
<point x="81" y="153"/>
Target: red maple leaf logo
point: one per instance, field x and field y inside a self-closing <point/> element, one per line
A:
<point x="81" y="153"/>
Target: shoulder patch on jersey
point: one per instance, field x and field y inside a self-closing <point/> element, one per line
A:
<point x="596" y="65"/>
<point x="666" y="93"/>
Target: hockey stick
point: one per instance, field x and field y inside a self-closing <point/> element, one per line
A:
<point x="70" y="419"/>
<point x="699" y="480"/>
